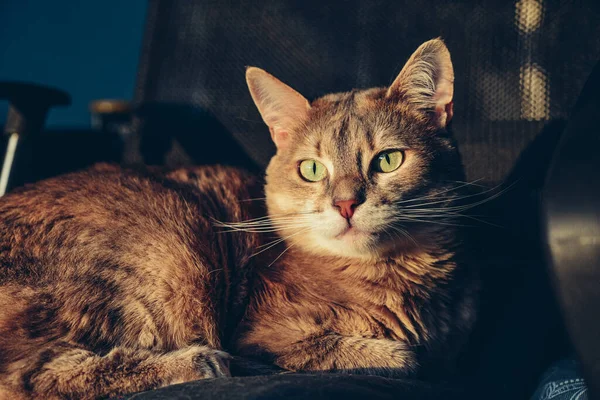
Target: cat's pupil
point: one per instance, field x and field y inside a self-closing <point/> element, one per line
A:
<point x="387" y="157"/>
<point x="314" y="168"/>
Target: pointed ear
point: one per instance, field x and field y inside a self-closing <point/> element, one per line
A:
<point x="281" y="107"/>
<point x="427" y="81"/>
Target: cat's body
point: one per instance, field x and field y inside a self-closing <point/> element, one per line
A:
<point x="392" y="317"/>
<point x="321" y="307"/>
<point x="113" y="281"/>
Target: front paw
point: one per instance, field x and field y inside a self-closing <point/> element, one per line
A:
<point x="199" y="362"/>
<point x="353" y="355"/>
<point x="377" y="357"/>
<point x="212" y="363"/>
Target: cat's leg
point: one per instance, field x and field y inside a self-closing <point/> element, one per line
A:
<point x="69" y="371"/>
<point x="336" y="353"/>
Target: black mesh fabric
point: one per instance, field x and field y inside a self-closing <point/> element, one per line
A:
<point x="517" y="65"/>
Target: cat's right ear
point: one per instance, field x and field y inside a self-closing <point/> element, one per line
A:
<point x="427" y="81"/>
<point x="281" y="107"/>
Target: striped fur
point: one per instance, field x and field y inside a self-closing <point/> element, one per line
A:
<point x="115" y="281"/>
<point x="397" y="296"/>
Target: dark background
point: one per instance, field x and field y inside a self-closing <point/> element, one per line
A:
<point x="90" y="49"/>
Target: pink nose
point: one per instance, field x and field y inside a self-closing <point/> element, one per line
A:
<point x="346" y="207"/>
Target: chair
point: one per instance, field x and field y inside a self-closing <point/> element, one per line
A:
<point x="519" y="70"/>
<point x="29" y="104"/>
<point x="571" y="211"/>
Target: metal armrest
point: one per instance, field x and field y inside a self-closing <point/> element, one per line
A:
<point x="28" y="106"/>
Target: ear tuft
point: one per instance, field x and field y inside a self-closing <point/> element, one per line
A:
<point x="427" y="81"/>
<point x="281" y="107"/>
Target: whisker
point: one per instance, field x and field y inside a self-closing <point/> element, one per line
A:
<point x="268" y="217"/>
<point x="405" y="233"/>
<point x="254" y="199"/>
<point x="264" y="229"/>
<point x="282" y="253"/>
<point x="433" y="194"/>
<point x="482" y="221"/>
<point x="472" y="183"/>
<point x="478" y="203"/>
<point x="441" y="216"/>
<point x="411" y="219"/>
<point x="456" y="198"/>
<point x="276" y="242"/>
<point x="266" y="224"/>
<point x="280" y="239"/>
<point x="445" y="215"/>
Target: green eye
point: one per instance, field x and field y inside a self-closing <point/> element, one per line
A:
<point x="389" y="161"/>
<point x="312" y="170"/>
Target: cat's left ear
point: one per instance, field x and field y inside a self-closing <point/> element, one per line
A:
<point x="427" y="82"/>
<point x="281" y="107"/>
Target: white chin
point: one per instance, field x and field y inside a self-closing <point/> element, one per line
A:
<point x="347" y="243"/>
<point x="332" y="235"/>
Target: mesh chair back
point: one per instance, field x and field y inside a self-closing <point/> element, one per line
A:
<point x="517" y="65"/>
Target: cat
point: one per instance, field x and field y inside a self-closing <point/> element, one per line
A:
<point x="114" y="280"/>
<point x="373" y="275"/>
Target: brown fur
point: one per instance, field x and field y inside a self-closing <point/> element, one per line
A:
<point x="399" y="299"/>
<point x="114" y="281"/>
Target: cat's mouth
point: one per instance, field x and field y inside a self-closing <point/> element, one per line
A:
<point x="351" y="232"/>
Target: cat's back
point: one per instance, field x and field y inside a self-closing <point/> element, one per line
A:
<point x="119" y="263"/>
<point x="110" y="257"/>
<point x="108" y="215"/>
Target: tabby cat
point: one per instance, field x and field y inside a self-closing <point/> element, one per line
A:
<point x="115" y="280"/>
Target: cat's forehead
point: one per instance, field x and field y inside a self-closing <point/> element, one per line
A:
<point x="343" y="123"/>
<point x="357" y="102"/>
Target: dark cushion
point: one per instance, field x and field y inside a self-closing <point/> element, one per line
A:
<point x="304" y="386"/>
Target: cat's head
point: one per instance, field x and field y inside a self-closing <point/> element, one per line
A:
<point x="361" y="173"/>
